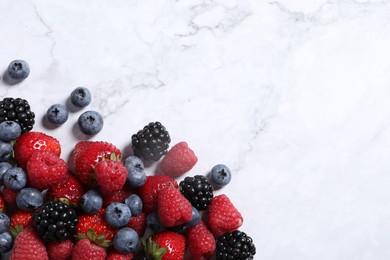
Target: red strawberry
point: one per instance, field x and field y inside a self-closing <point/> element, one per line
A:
<point x="45" y="169"/>
<point x="149" y="191"/>
<point x="87" y="154"/>
<point x="114" y="255"/>
<point x="69" y="191"/>
<point x="201" y="242"/>
<point x="19" y="221"/>
<point x="60" y="250"/>
<point x="138" y="223"/>
<point x="180" y="159"/>
<point x="173" y="208"/>
<point x="117" y="196"/>
<point x="168" y="244"/>
<point x="2" y="204"/>
<point x="28" y="246"/>
<point x="9" y="195"/>
<point x="110" y="174"/>
<point x="85" y="250"/>
<point x="27" y="143"/>
<point x="223" y="216"/>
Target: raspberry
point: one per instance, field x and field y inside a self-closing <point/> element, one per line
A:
<point x="180" y="159"/>
<point x="60" y="250"/>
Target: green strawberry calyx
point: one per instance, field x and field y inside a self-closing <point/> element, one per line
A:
<point x="152" y="249"/>
<point x="99" y="240"/>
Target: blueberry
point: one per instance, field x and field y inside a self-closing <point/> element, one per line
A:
<point x="90" y="122"/>
<point x="18" y="69"/>
<point x="91" y="202"/>
<point x="117" y="214"/>
<point x="29" y="199"/>
<point x="134" y="202"/>
<point x="80" y="97"/>
<point x="15" y="178"/>
<point x="4" y="166"/>
<point x="9" y="131"/>
<point x="4" y="222"/>
<point x="5" y="151"/>
<point x="220" y="175"/>
<point x="57" y="114"/>
<point x="125" y="240"/>
<point x="135" y="167"/>
<point x="6" y="242"/>
<point x="153" y="222"/>
<point x="195" y="218"/>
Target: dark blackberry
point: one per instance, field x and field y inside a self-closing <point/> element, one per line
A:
<point x="197" y="190"/>
<point x="55" y="221"/>
<point x="235" y="245"/>
<point x="152" y="142"/>
<point x="17" y="110"/>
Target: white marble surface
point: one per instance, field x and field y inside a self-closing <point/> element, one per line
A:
<point x="293" y="95"/>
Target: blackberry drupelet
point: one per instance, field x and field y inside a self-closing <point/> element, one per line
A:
<point x="235" y="245"/>
<point x="17" y="110"/>
<point x="55" y="221"/>
<point x="151" y="143"/>
<point x="197" y="190"/>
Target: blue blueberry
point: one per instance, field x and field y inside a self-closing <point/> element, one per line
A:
<point x="6" y="151"/>
<point x="117" y="214"/>
<point x="90" y="122"/>
<point x="6" y="242"/>
<point x="125" y="240"/>
<point x="9" y="131"/>
<point x="29" y="199"/>
<point x="4" y="222"/>
<point x="57" y="114"/>
<point x="134" y="202"/>
<point x="195" y="218"/>
<point x="220" y="175"/>
<point x="135" y="167"/>
<point x="18" y="69"/>
<point x="80" y="97"/>
<point x="15" y="178"/>
<point x="153" y="222"/>
<point x="91" y="202"/>
<point x="4" y="166"/>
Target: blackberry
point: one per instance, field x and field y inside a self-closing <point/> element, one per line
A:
<point x="197" y="190"/>
<point x="151" y="143"/>
<point x="17" y="110"/>
<point x="235" y="245"/>
<point x="55" y="221"/>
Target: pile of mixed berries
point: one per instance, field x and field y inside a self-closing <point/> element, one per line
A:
<point x="104" y="206"/>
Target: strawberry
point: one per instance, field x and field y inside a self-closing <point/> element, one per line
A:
<point x="173" y="208"/>
<point x="45" y="169"/>
<point x="149" y="191"/>
<point x="27" y="245"/>
<point x="69" y="191"/>
<point x="27" y="143"/>
<point x="138" y="223"/>
<point x="117" y="196"/>
<point x="201" y="242"/>
<point x="2" y="204"/>
<point x="114" y="255"/>
<point x="9" y="195"/>
<point x="110" y="174"/>
<point x="180" y="159"/>
<point x="168" y="244"/>
<point x="223" y="216"/>
<point x="87" y="154"/>
<point x="20" y="220"/>
<point x="61" y="250"/>
<point x="85" y="250"/>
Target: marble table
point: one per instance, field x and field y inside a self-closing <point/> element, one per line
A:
<point x="292" y="95"/>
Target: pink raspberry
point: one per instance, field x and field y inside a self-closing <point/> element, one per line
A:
<point x="180" y="159"/>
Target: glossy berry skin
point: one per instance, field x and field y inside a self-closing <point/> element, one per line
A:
<point x="195" y="218"/>
<point x="174" y="243"/>
<point x="110" y="175"/>
<point x="2" y="204"/>
<point x="197" y="190"/>
<point x="29" y="199"/>
<point x="201" y="242"/>
<point x="57" y="114"/>
<point x="9" y="131"/>
<point x="28" y="245"/>
<point x="20" y="220"/>
<point x="81" y="97"/>
<point x="68" y="190"/>
<point x="19" y="111"/>
<point x="134" y="202"/>
<point x="4" y="222"/>
<point x="18" y="69"/>
<point x="235" y="245"/>
<point x="15" y="178"/>
<point x="125" y="240"/>
<point x="6" y="242"/>
<point x="117" y="214"/>
<point x="138" y="223"/>
<point x="136" y="171"/>
<point x="153" y="222"/>
<point x="91" y="202"/>
<point x="117" y="196"/>
<point x="4" y="166"/>
<point x="5" y="151"/>
<point x="85" y="250"/>
<point x="90" y="122"/>
<point x="220" y="175"/>
<point x="95" y="222"/>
